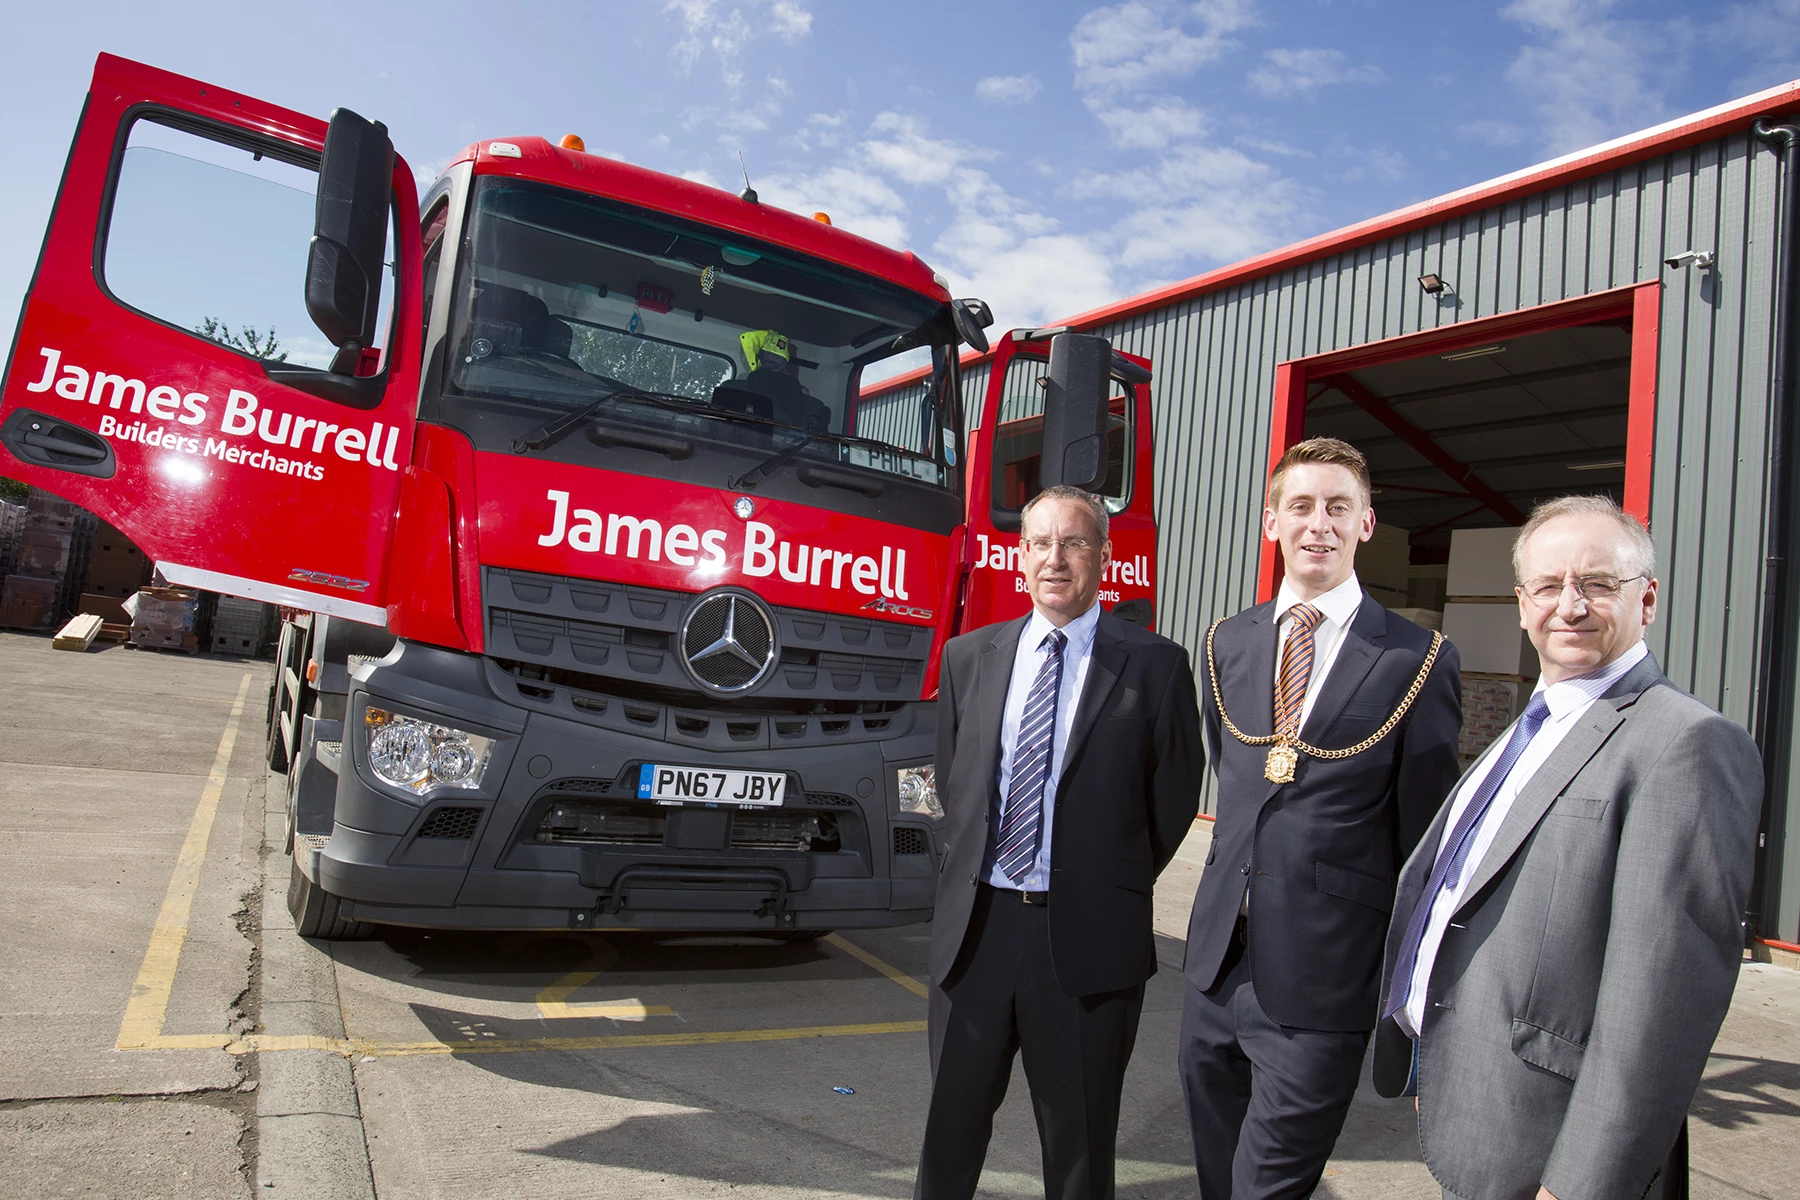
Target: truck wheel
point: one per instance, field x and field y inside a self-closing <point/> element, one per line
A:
<point x="316" y="912"/>
<point x="277" y="750"/>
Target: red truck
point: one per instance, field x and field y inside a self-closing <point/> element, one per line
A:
<point x="619" y="578"/>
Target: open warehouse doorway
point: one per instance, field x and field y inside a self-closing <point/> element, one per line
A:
<point x="1466" y="428"/>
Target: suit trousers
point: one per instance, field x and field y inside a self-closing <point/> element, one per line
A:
<point x="1270" y="1140"/>
<point x="1000" y="999"/>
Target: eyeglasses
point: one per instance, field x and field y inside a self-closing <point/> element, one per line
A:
<point x="1043" y="545"/>
<point x="1595" y="589"/>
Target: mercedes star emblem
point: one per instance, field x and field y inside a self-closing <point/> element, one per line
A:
<point x="728" y="642"/>
<point x="744" y="507"/>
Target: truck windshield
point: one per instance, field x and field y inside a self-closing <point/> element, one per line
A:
<point x="706" y="338"/>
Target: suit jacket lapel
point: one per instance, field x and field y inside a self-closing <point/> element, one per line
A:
<point x="1357" y="652"/>
<point x="992" y="678"/>
<point x="1565" y="762"/>
<point x="1252" y="706"/>
<point x="1105" y="664"/>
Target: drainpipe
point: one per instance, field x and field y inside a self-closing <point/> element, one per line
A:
<point x="1773" y="717"/>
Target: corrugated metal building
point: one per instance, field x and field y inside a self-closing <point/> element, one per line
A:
<point x="1556" y="351"/>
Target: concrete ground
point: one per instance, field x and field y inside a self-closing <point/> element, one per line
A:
<point x="168" y="1035"/>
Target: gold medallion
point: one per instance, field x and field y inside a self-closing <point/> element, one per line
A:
<point x="1281" y="763"/>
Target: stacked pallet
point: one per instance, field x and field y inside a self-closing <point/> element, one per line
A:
<point x="12" y="526"/>
<point x="241" y="626"/>
<point x="49" y="560"/>
<point x="117" y="568"/>
<point x="165" y="618"/>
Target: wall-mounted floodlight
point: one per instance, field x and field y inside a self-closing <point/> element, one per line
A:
<point x="1701" y="259"/>
<point x="1432" y="284"/>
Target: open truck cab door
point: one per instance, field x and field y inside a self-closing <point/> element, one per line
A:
<point x="1088" y="405"/>
<point x="213" y="355"/>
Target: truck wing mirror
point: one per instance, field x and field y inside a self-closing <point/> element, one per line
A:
<point x="972" y="316"/>
<point x="1075" y="411"/>
<point x="344" y="262"/>
<point x="1128" y="372"/>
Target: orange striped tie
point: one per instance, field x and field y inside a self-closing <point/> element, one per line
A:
<point x="1296" y="670"/>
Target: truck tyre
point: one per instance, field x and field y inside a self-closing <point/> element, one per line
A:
<point x="316" y="912"/>
<point x="277" y="749"/>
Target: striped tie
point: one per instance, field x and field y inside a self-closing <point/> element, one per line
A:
<point x="1453" y="854"/>
<point x="1296" y="670"/>
<point x="1021" y="831"/>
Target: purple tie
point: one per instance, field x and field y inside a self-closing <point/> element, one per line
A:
<point x="1021" y="830"/>
<point x="1453" y="855"/>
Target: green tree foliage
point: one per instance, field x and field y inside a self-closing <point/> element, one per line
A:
<point x="247" y="339"/>
<point x="12" y="490"/>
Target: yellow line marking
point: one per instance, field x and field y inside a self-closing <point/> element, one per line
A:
<point x="262" y="1043"/>
<point x="149" y="1003"/>
<point x="892" y="972"/>
<point x="553" y="1003"/>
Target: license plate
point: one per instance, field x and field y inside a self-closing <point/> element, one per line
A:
<point x="657" y="781"/>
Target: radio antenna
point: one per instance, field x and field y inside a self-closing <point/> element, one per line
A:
<point x="748" y="195"/>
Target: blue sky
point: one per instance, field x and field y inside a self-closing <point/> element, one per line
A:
<point x="1047" y="156"/>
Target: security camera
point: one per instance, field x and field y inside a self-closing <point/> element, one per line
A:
<point x="1699" y="258"/>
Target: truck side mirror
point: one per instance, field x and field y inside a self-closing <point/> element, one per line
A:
<point x="1075" y="411"/>
<point x="344" y="262"/>
<point x="971" y="317"/>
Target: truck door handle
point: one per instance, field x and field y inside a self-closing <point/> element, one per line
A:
<point x="66" y="445"/>
<point x="38" y="438"/>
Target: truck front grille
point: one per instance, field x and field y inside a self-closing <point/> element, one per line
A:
<point x="626" y="633"/>
<point x="614" y="823"/>
<point x="451" y="824"/>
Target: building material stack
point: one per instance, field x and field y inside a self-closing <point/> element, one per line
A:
<point x="241" y="626"/>
<point x="48" y="563"/>
<point x="1481" y="615"/>
<point x="12" y="527"/>
<point x="118" y="568"/>
<point x="1382" y="564"/>
<point x="165" y="618"/>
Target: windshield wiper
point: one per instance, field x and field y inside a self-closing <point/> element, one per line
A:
<point x="556" y="427"/>
<point x="783" y="457"/>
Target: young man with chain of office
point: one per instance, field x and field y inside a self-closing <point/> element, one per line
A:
<point x="1332" y="724"/>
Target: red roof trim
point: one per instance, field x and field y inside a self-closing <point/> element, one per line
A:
<point x="1608" y="156"/>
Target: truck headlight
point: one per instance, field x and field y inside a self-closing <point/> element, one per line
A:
<point x="918" y="791"/>
<point x="419" y="755"/>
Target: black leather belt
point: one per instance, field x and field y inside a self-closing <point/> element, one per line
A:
<point x="1034" y="899"/>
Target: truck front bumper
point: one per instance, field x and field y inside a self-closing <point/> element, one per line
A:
<point x="556" y="837"/>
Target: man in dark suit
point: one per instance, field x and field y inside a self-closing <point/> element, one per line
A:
<point x="1567" y="935"/>
<point x="1069" y="766"/>
<point x="1284" y="946"/>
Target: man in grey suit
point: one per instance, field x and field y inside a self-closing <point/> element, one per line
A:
<point x="1068" y="762"/>
<point x="1567" y="935"/>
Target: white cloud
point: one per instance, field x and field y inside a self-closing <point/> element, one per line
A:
<point x="789" y="21"/>
<point x="1303" y="71"/>
<point x="725" y="29"/>
<point x="1131" y="47"/>
<point x="1161" y="121"/>
<point x="1766" y="35"/>
<point x="1198" y="204"/>
<point x="1590" y="75"/>
<point x="858" y="201"/>
<point x="1007" y="89"/>
<point x="1494" y="133"/>
<point x="1271" y="146"/>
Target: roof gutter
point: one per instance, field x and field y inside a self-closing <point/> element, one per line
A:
<point x="1772" y="718"/>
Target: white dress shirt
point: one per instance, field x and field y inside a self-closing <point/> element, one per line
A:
<point x="1567" y="701"/>
<point x="1028" y="659"/>
<point x="1338" y="607"/>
